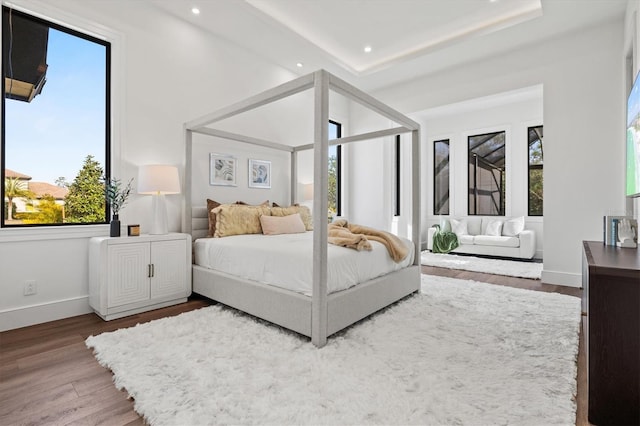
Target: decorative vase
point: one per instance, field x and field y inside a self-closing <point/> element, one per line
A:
<point x="115" y="226"/>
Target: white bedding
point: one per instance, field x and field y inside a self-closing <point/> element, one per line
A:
<point x="286" y="260"/>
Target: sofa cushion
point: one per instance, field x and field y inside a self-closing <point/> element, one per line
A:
<point x="490" y="240"/>
<point x="494" y="228"/>
<point x="474" y="225"/>
<point x="466" y="239"/>
<point x="513" y="227"/>
<point x="459" y="227"/>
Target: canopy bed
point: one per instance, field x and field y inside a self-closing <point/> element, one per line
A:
<point x="318" y="313"/>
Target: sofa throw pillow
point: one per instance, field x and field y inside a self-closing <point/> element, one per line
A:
<point x="275" y="225"/>
<point x="238" y="219"/>
<point x="494" y="228"/>
<point x="513" y="227"/>
<point x="459" y="227"/>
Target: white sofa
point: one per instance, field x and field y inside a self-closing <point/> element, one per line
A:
<point x="490" y="235"/>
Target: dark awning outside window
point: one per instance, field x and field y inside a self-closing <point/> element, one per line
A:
<point x="24" y="55"/>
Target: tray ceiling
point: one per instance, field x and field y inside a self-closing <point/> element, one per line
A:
<point x="408" y="38"/>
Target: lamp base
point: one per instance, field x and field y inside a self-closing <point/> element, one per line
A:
<point x="159" y="225"/>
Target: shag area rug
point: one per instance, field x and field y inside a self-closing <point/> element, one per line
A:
<point x="461" y="352"/>
<point x="512" y="268"/>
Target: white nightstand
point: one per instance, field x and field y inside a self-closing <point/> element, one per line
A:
<point x="128" y="275"/>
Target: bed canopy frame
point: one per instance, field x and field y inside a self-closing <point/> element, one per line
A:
<point x="322" y="306"/>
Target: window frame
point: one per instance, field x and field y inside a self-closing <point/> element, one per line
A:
<point x="84" y="33"/>
<point x="503" y="193"/>
<point x="435" y="182"/>
<point x="338" y="167"/>
<point x="535" y="166"/>
<point x="397" y="175"/>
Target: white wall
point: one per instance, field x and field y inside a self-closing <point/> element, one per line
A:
<point x="166" y="72"/>
<point x="583" y="124"/>
<point x="512" y="112"/>
<point x="370" y="175"/>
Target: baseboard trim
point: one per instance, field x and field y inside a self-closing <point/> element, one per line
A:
<point x="562" y="278"/>
<point x="25" y="316"/>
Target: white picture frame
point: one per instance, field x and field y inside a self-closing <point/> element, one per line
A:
<point x="222" y="169"/>
<point x="259" y="174"/>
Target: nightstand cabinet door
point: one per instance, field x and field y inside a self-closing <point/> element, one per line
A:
<point x="128" y="275"/>
<point x="128" y="281"/>
<point x="168" y="268"/>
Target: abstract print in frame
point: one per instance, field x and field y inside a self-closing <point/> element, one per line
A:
<point x="222" y="169"/>
<point x="259" y="174"/>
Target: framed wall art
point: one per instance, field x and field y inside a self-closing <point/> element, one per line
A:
<point x="222" y="169"/>
<point x="259" y="174"/>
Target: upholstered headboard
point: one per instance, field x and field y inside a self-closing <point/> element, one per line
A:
<point x="199" y="222"/>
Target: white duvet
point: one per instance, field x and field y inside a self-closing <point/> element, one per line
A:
<point x="286" y="260"/>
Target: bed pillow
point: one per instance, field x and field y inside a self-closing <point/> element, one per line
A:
<point x="494" y="228"/>
<point x="305" y="214"/>
<point x="274" y="225"/>
<point x="513" y="227"/>
<point x="238" y="219"/>
<point x="459" y="227"/>
<point x="264" y="203"/>
<point x="211" y="204"/>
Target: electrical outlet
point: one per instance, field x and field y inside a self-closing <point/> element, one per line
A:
<point x="30" y="287"/>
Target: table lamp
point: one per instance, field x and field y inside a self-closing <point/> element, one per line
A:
<point x="158" y="180"/>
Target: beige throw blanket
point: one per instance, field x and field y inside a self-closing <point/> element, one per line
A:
<point x="357" y="237"/>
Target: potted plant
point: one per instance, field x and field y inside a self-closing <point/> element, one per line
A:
<point x="116" y="195"/>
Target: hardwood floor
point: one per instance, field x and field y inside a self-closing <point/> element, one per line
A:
<point x="48" y="376"/>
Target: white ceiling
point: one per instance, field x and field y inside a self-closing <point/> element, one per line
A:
<point x="408" y="38"/>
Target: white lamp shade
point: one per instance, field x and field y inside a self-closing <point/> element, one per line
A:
<point x="308" y="191"/>
<point x="158" y="179"/>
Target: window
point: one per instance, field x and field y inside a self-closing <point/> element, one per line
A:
<point x="55" y="123"/>
<point x="535" y="170"/>
<point x="487" y="173"/>
<point x="396" y="176"/>
<point x="335" y="170"/>
<point x="441" y="177"/>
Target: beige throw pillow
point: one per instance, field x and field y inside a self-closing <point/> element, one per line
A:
<point x="305" y="214"/>
<point x="275" y="225"/>
<point x="237" y="219"/>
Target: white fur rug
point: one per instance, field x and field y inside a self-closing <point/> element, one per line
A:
<point x="512" y="268"/>
<point x="462" y="352"/>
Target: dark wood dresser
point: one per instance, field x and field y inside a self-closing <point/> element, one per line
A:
<point x="611" y="301"/>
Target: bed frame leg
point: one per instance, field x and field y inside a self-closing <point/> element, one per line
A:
<point x="319" y="341"/>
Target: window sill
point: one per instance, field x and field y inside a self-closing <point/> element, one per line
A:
<point x="9" y="235"/>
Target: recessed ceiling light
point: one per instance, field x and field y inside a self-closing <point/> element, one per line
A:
<point x="299" y="65"/>
<point x="367" y="49"/>
<point x="195" y="10"/>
